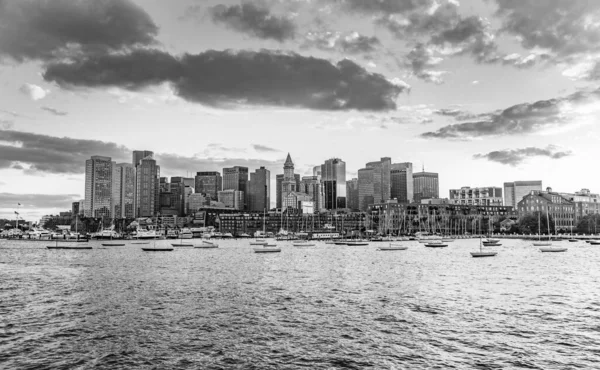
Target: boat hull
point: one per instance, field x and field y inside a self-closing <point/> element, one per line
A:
<point x="394" y="248"/>
<point x="74" y="247"/>
<point x="542" y="244"/>
<point x="113" y="244"/>
<point x="267" y="250"/>
<point x="553" y="250"/>
<point x="483" y="254"/>
<point x="157" y="249"/>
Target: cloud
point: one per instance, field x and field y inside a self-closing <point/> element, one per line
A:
<point x="420" y="60"/>
<point x="462" y="115"/>
<point x="383" y="6"/>
<point x="254" y="20"/>
<point x="50" y="154"/>
<point x="45" y="30"/>
<point x="34" y="92"/>
<point x="222" y="78"/>
<point x="265" y="149"/>
<point x="514" y="157"/>
<point x="175" y="165"/>
<point x="37" y="201"/>
<point x="347" y="43"/>
<point x="56" y="112"/>
<point x="6" y="124"/>
<point x="576" y="109"/>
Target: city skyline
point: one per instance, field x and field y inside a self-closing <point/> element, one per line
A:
<point x="457" y="88"/>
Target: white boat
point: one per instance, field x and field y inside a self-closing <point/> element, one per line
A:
<point x="186" y="234"/>
<point x="546" y="247"/>
<point x="227" y="235"/>
<point x="357" y="242"/>
<point x="258" y="242"/>
<point x="207" y="244"/>
<point x="268" y="248"/>
<point x="146" y="234"/>
<point x="69" y="246"/>
<point x="553" y="249"/>
<point x="303" y="243"/>
<point x="154" y="248"/>
<point x="393" y="247"/>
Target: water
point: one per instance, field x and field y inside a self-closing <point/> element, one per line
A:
<point x="322" y="307"/>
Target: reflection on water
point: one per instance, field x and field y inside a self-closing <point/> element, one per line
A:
<point x="321" y="307"/>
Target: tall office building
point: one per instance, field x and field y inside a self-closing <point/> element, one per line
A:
<point x="138" y="155"/>
<point x="98" y="186"/>
<point x="402" y="185"/>
<point x="317" y="170"/>
<point x="515" y="191"/>
<point x="259" y="193"/>
<point x="177" y="188"/>
<point x="366" y="188"/>
<point x="426" y="186"/>
<point x="481" y="196"/>
<point x="209" y="183"/>
<point x="236" y="178"/>
<point x="147" y="187"/>
<point x="352" y="194"/>
<point x="278" y="188"/>
<point x="232" y="198"/>
<point x="311" y="185"/>
<point x="333" y="178"/>
<point x="123" y="190"/>
<point x="289" y="183"/>
<point x="374" y="183"/>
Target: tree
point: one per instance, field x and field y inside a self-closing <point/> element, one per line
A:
<point x="589" y="224"/>
<point x="534" y="222"/>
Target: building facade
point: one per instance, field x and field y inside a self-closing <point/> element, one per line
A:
<point x="402" y="183"/>
<point x="123" y="190"/>
<point x="366" y="189"/>
<point x="236" y="178"/>
<point x="311" y="185"/>
<point x="288" y="183"/>
<point x="232" y="199"/>
<point x="147" y="192"/>
<point x="585" y="202"/>
<point x="209" y="183"/>
<point x="516" y="190"/>
<point x="259" y="193"/>
<point x="98" y="186"/>
<point x="561" y="209"/>
<point x="352" y="194"/>
<point x="426" y="185"/>
<point x="295" y="199"/>
<point x="485" y="196"/>
<point x="333" y="180"/>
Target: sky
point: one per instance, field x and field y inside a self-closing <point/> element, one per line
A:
<point x="480" y="91"/>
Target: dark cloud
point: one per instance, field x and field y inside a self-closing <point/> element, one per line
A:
<point x="56" y="112"/>
<point x="421" y="60"/>
<point x="462" y="115"/>
<point x="523" y="118"/>
<point x="263" y="148"/>
<point x="471" y="35"/>
<point x="254" y="20"/>
<point x="420" y="22"/>
<point x="514" y="157"/>
<point x="349" y="43"/>
<point x="6" y="124"/>
<point x="383" y="6"/>
<point x="565" y="27"/>
<point x="38" y="29"/>
<point x="50" y="154"/>
<point x="221" y="78"/>
<point x="37" y="201"/>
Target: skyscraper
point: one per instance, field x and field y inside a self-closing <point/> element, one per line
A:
<point x="333" y="178"/>
<point x="289" y="183"/>
<point x="311" y="185"/>
<point x="278" y="187"/>
<point x="236" y="178"/>
<point x="259" y="193"/>
<point x="123" y="190"/>
<point x="374" y="183"/>
<point x="138" y="155"/>
<point x="177" y="188"/>
<point x="98" y="186"/>
<point x="366" y="188"/>
<point x="402" y="183"/>
<point x="147" y="185"/>
<point x="352" y="194"/>
<point x="426" y="186"/>
<point x="515" y="191"/>
<point x="209" y="183"/>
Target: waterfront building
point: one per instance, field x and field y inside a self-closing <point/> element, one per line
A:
<point x="437" y="201"/>
<point x="236" y="178"/>
<point x="123" y="190"/>
<point x="147" y="191"/>
<point x="374" y="183"/>
<point x="333" y="180"/>
<point x="294" y="200"/>
<point x="209" y="183"/>
<point x="196" y="201"/>
<point x="585" y="202"/>
<point x="402" y="183"/>
<point x="311" y="185"/>
<point x="352" y="194"/>
<point x="485" y="196"/>
<point x="232" y="198"/>
<point x="259" y="193"/>
<point x="516" y="190"/>
<point x="98" y="186"/>
<point x="561" y="209"/>
<point x="426" y="185"/>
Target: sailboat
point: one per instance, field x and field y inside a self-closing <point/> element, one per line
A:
<point x="481" y="252"/>
<point x="207" y="245"/>
<point x="111" y="243"/>
<point x="181" y="243"/>
<point x="393" y="247"/>
<point x="154" y="248"/>
<point x="266" y="246"/>
<point x="541" y="243"/>
<point x="548" y="247"/>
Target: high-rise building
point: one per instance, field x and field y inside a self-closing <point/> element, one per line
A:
<point x="366" y="188"/>
<point x="295" y="200"/>
<point x="333" y="179"/>
<point x="352" y="194"/>
<point x="311" y="185"/>
<point x="289" y="182"/>
<point x="195" y="202"/>
<point x="278" y="189"/>
<point x="177" y="188"/>
<point x="585" y="202"/>
<point x="515" y="191"/>
<point x="374" y="183"/>
<point x="232" y="198"/>
<point x="123" y="190"/>
<point x="317" y="170"/>
<point x="402" y="185"/>
<point x="138" y="155"/>
<point x="426" y="186"/>
<point x="483" y="196"/>
<point x="75" y="208"/>
<point x="209" y="183"/>
<point x="259" y="193"/>
<point x="147" y="187"/>
<point x="236" y="178"/>
<point x="98" y="186"/>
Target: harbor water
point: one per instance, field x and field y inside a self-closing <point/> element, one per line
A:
<point x="321" y="307"/>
